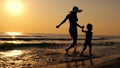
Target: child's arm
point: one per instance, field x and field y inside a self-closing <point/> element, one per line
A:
<point x="83" y="29"/>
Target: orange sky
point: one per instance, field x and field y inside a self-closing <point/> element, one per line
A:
<point x="42" y="16"/>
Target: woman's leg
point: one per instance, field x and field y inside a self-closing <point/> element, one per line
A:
<point x="71" y="45"/>
<point x="74" y="43"/>
<point x="73" y="34"/>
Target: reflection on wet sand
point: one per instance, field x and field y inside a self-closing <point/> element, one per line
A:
<point x="11" y="53"/>
<point x="87" y="62"/>
<point x="81" y="63"/>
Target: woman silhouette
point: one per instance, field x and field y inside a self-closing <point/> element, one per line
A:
<point x="72" y="16"/>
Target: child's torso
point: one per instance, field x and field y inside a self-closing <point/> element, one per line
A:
<point x="89" y="36"/>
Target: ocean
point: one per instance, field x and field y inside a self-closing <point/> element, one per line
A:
<point x="41" y="50"/>
<point x="36" y="38"/>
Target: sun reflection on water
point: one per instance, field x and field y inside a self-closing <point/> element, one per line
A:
<point x="13" y="33"/>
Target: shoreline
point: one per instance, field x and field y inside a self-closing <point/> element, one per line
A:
<point x="49" y="54"/>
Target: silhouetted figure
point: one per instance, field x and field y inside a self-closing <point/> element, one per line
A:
<point x="88" y="39"/>
<point x="72" y="17"/>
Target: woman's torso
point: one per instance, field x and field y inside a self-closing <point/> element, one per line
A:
<point x="73" y="20"/>
<point x="73" y="23"/>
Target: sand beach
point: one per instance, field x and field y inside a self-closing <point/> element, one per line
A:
<point x="51" y="55"/>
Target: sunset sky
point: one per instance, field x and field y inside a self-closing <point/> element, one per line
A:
<point x="42" y="16"/>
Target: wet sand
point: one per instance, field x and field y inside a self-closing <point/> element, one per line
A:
<point x="105" y="62"/>
<point x="55" y="57"/>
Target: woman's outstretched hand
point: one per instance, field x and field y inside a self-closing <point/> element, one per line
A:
<point x="82" y="26"/>
<point x="57" y="26"/>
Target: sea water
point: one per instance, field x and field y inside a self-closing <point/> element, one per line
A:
<point x="36" y="38"/>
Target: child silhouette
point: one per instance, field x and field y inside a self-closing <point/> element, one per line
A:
<point x="88" y="39"/>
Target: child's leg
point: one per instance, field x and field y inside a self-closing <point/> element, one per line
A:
<point x="90" y="49"/>
<point x="85" y="46"/>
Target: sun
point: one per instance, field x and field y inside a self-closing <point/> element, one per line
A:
<point x="14" y="6"/>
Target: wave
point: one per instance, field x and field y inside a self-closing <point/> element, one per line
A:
<point x="52" y="38"/>
<point x="49" y="37"/>
<point x="30" y="39"/>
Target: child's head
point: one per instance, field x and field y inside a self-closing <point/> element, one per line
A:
<point x="89" y="27"/>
